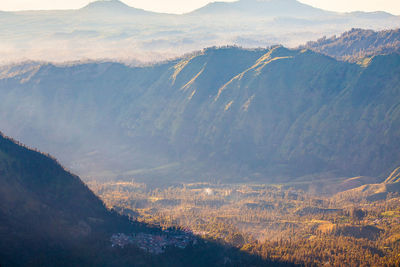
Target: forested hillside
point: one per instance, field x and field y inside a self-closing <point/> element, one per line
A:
<point x="357" y="44"/>
<point x="221" y="113"/>
<point x="48" y="217"/>
<point x="359" y="227"/>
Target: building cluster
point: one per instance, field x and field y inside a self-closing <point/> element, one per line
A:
<point x="152" y="243"/>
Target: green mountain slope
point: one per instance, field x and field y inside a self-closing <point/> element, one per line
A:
<point x="224" y="113"/>
<point x="357" y="44"/>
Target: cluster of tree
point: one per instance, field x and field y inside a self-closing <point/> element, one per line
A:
<point x="49" y="217"/>
<point x="357" y="44"/>
<point x="272" y="222"/>
<point x="328" y="250"/>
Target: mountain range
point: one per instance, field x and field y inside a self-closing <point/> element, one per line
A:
<point x="114" y="30"/>
<point x="225" y="113"/>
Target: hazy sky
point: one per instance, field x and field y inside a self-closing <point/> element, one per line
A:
<point x="181" y="6"/>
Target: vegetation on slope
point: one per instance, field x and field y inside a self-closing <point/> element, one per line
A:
<point x="358" y="44"/>
<point x="273" y="221"/>
<point x="224" y="113"/>
<point x="48" y="217"/>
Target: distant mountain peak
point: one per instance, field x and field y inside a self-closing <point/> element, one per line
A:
<point x="113" y="6"/>
<point x="262" y="8"/>
<point x="373" y="14"/>
<point x="106" y="3"/>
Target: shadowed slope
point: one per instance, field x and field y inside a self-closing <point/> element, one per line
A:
<point x="48" y="216"/>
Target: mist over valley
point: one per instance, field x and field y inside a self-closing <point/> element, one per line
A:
<point x="247" y="133"/>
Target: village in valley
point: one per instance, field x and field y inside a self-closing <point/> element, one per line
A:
<point x="154" y="243"/>
<point x="264" y="220"/>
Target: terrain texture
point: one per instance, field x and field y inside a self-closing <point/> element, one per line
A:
<point x="48" y="217"/>
<point x="357" y="44"/>
<point x="219" y="114"/>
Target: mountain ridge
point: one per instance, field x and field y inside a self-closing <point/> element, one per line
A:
<point x="36" y="189"/>
<point x="394" y="177"/>
<point x="223" y="112"/>
<point x="357" y="44"/>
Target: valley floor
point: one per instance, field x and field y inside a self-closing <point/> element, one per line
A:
<point x="273" y="221"/>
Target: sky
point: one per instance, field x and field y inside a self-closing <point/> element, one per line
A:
<point x="182" y="6"/>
